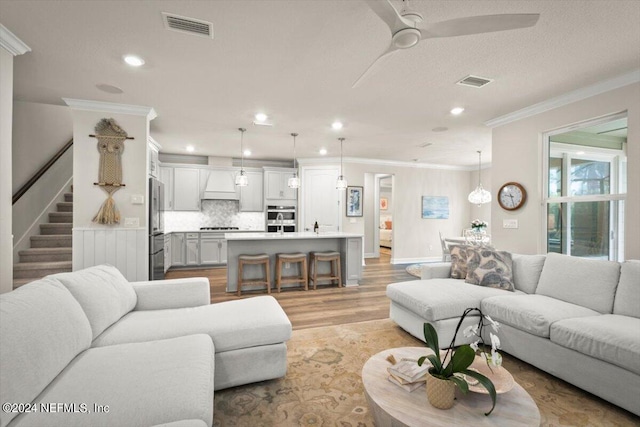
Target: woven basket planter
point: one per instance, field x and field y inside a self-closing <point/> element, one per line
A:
<point x="440" y="393"/>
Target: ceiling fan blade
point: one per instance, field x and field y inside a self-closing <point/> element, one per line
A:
<point x="388" y="53"/>
<point x="385" y="10"/>
<point x="479" y="24"/>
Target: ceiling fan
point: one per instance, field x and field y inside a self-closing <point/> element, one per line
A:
<point x="406" y="33"/>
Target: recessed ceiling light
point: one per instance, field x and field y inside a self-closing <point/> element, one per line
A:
<point x="109" y="88"/>
<point x="247" y="152"/>
<point x="190" y="148"/>
<point x="261" y="117"/>
<point x="323" y="151"/>
<point x="336" y="125"/>
<point x="457" y="110"/>
<point x="134" y="61"/>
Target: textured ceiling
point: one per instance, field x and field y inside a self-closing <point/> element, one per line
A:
<point x="296" y="61"/>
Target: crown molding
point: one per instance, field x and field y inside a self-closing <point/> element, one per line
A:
<point x="567" y="98"/>
<point x="12" y="43"/>
<point x="393" y="163"/>
<point x="110" y="107"/>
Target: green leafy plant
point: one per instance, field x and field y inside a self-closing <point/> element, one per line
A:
<point x="458" y="361"/>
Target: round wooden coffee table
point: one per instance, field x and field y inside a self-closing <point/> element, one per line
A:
<point x="393" y="406"/>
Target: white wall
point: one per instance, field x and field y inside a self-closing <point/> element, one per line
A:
<point x="6" y="114"/>
<point x="88" y="197"/>
<point x="517" y="156"/>
<point x="415" y="239"/>
<point x="39" y="131"/>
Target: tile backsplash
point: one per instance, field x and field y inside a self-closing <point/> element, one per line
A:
<point x="214" y="213"/>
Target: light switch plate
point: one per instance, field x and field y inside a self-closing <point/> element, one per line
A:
<point x="137" y="199"/>
<point x="132" y="222"/>
<point x="509" y="223"/>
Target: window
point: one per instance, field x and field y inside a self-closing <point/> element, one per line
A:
<point x="585" y="178"/>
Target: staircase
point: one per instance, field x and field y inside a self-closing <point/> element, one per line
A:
<point x="50" y="251"/>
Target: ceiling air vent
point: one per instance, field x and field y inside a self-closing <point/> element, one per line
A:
<point x="474" y="81"/>
<point x="183" y="24"/>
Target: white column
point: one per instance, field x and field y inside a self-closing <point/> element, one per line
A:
<point x="123" y="245"/>
<point x="11" y="46"/>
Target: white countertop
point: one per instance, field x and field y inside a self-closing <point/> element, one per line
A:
<point x="213" y="231"/>
<point x="290" y="236"/>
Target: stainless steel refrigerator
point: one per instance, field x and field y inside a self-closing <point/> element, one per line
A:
<point x="156" y="229"/>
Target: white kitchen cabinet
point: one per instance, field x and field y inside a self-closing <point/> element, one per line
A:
<point x="321" y="201"/>
<point x="251" y="196"/>
<point x="167" y="252"/>
<point x="213" y="249"/>
<point x="166" y="177"/>
<point x="276" y="184"/>
<point x="177" y="249"/>
<point x="186" y="189"/>
<point x="192" y="249"/>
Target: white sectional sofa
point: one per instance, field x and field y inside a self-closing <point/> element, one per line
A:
<point x="152" y="352"/>
<point x="576" y="318"/>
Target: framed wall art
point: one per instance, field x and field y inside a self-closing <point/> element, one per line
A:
<point x="354" y="201"/>
<point x="384" y="204"/>
<point x="435" y="207"/>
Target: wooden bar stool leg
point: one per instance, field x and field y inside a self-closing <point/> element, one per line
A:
<point x="339" y="273"/>
<point x="305" y="274"/>
<point x="278" y="273"/>
<point x="240" y="278"/>
<point x="267" y="276"/>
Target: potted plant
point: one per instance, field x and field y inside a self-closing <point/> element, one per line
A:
<point x="451" y="370"/>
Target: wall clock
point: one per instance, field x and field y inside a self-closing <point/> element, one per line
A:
<point x="512" y="196"/>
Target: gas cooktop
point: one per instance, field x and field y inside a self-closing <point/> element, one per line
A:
<point x="219" y="228"/>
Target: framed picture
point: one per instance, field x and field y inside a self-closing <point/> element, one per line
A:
<point x="435" y="207"/>
<point x="354" y="201"/>
<point x="384" y="204"/>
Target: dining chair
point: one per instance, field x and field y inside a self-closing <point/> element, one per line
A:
<point x="446" y="254"/>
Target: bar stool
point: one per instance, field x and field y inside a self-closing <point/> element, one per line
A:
<point x="297" y="257"/>
<point x="261" y="259"/>
<point x="334" y="259"/>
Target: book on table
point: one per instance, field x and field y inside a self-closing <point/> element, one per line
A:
<point x="409" y="371"/>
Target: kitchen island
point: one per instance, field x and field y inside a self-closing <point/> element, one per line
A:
<point x="348" y="244"/>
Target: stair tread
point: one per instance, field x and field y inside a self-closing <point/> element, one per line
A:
<point x="59" y="250"/>
<point x="56" y="224"/>
<point x="41" y="265"/>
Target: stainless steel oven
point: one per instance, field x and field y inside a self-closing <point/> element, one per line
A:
<point x="281" y="218"/>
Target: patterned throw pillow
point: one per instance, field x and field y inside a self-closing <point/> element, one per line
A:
<point x="486" y="267"/>
<point x="458" y="261"/>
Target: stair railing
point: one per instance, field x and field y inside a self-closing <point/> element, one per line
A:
<point x="41" y="172"/>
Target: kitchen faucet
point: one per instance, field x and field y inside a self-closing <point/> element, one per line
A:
<point x="280" y="218"/>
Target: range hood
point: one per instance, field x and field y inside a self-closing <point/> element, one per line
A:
<point x="221" y="186"/>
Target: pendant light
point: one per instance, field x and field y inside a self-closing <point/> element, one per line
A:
<point x="294" y="181"/>
<point x="479" y="196"/>
<point x="242" y="180"/>
<point x="341" y="184"/>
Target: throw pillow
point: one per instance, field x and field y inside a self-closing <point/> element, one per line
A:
<point x="493" y="269"/>
<point x="458" y="261"/>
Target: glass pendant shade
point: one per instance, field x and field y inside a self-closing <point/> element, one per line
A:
<point x="242" y="180"/>
<point x="479" y="196"/>
<point x="341" y="184"/>
<point x="294" y="181"/>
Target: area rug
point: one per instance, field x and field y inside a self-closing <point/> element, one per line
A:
<point x="323" y="386"/>
<point x="415" y="270"/>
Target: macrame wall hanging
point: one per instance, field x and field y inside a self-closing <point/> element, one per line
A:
<point x="111" y="139"/>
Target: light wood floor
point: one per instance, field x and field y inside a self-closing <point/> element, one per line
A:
<point x="328" y="305"/>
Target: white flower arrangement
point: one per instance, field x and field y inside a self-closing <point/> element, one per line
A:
<point x="495" y="359"/>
